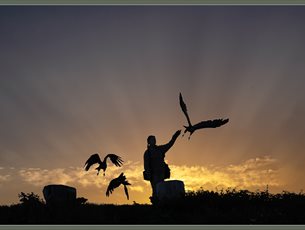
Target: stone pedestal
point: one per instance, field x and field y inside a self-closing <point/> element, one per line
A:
<point x="170" y="190"/>
<point x="59" y="195"/>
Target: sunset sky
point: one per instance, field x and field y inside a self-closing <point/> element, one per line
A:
<point x="76" y="80"/>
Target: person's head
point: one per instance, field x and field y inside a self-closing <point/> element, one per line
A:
<point x="151" y="141"/>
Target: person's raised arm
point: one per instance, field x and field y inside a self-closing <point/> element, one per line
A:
<point x="167" y="146"/>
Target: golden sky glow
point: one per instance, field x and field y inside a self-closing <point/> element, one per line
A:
<point x="252" y="174"/>
<point x="76" y="81"/>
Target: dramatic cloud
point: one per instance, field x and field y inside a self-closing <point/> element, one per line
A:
<point x="4" y="178"/>
<point x="252" y="174"/>
<point x="77" y="176"/>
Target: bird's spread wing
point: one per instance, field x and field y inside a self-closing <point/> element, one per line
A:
<point x="184" y="109"/>
<point x="93" y="159"/>
<point x="112" y="185"/>
<point x="126" y="191"/>
<point x="116" y="160"/>
<point x="110" y="188"/>
<point x="211" y="123"/>
<point x="121" y="179"/>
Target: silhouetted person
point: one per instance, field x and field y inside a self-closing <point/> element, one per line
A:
<point x="154" y="165"/>
<point x="201" y="125"/>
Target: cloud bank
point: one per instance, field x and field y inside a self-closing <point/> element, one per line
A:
<point x="4" y="177"/>
<point x="254" y="173"/>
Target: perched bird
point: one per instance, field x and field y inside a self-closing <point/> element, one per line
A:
<point x="203" y="124"/>
<point x="116" y="182"/>
<point x="95" y="158"/>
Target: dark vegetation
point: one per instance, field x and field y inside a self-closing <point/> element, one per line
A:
<point x="200" y="207"/>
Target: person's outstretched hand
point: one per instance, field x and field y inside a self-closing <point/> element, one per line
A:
<point x="177" y="133"/>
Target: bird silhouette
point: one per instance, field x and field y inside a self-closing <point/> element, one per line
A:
<point x="95" y="158"/>
<point x="203" y="124"/>
<point x="116" y="182"/>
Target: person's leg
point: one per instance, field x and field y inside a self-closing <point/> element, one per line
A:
<point x="153" y="188"/>
<point x="155" y="180"/>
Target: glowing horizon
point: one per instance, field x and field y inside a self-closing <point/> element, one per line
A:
<point x="194" y="177"/>
<point x="80" y="80"/>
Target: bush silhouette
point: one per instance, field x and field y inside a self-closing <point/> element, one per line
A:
<point x="228" y="206"/>
<point x="30" y="199"/>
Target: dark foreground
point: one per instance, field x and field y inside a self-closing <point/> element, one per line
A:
<point x="201" y="207"/>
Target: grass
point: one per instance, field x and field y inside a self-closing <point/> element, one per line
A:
<point x="197" y="207"/>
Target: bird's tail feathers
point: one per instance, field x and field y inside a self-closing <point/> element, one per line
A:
<point x="126" y="192"/>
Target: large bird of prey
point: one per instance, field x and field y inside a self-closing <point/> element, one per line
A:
<point x="95" y="158"/>
<point x="116" y="182"/>
<point x="203" y="124"/>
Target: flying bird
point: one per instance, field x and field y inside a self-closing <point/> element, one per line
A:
<point x="203" y="124"/>
<point x="95" y="158"/>
<point x="116" y="182"/>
